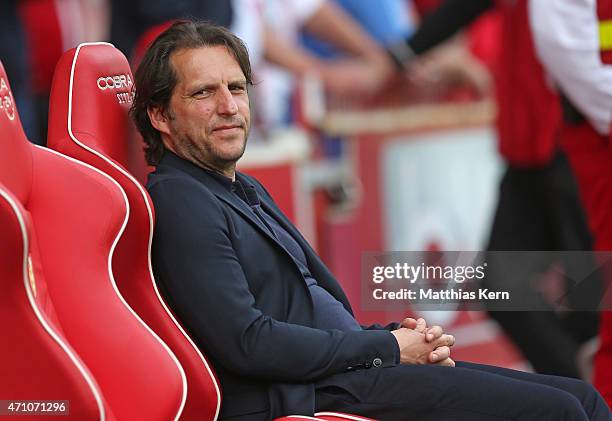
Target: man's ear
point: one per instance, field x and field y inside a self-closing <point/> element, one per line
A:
<point x="159" y="119"/>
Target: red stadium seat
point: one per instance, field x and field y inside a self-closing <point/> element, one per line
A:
<point x="34" y="347"/>
<point x="90" y="123"/>
<point x="77" y="215"/>
<point x="145" y="41"/>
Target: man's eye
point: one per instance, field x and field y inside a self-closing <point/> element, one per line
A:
<point x="202" y="93"/>
<point x="237" y="88"/>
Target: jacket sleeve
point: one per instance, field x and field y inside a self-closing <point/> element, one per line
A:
<point x="446" y="20"/>
<point x="204" y="281"/>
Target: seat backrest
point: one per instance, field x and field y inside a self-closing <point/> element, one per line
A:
<point x="87" y="123"/>
<point x="36" y="362"/>
<point x="77" y="215"/>
<point x="146" y="39"/>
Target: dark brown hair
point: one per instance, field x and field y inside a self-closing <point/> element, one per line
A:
<point x="155" y="77"/>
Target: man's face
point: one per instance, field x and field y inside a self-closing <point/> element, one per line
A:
<point x="208" y="118"/>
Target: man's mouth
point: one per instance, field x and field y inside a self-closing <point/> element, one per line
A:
<point x="227" y="127"/>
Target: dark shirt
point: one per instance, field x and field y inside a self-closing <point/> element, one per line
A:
<point x="329" y="313"/>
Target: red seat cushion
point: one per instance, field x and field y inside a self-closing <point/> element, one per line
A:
<point x="35" y="361"/>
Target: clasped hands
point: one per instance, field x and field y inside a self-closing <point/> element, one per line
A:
<point x="419" y="344"/>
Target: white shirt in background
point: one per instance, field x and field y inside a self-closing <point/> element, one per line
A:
<point x="566" y="37"/>
<point x="247" y="25"/>
<point x="276" y="85"/>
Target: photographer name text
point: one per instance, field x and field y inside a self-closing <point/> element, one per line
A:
<point x="430" y="294"/>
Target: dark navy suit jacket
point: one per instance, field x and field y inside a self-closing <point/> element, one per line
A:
<point x="243" y="298"/>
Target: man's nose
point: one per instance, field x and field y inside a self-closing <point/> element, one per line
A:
<point x="226" y="103"/>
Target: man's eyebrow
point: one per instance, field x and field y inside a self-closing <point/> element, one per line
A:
<point x="237" y="82"/>
<point x="201" y="86"/>
<point x="197" y="87"/>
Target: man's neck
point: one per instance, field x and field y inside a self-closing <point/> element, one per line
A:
<point x="225" y="169"/>
<point x="228" y="171"/>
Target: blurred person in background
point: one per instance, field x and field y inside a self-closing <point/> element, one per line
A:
<point x="392" y="21"/>
<point x="389" y="22"/>
<point x="386" y="21"/>
<point x="574" y="42"/>
<point x="361" y="72"/>
<point x="539" y="207"/>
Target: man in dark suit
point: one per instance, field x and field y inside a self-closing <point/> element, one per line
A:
<point x="258" y="300"/>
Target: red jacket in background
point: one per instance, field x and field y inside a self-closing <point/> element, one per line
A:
<point x="590" y="155"/>
<point x="529" y="112"/>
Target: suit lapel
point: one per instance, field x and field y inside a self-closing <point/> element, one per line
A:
<point x="244" y="209"/>
<point x="326" y="281"/>
<point x="239" y="206"/>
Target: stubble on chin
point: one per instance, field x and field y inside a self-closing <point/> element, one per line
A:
<point x="205" y="156"/>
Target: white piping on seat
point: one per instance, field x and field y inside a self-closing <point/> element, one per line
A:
<point x="340" y="415"/>
<point x="150" y="241"/>
<point x="54" y="335"/>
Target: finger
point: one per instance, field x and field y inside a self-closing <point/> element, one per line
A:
<point x="409" y="323"/>
<point x="444" y="340"/>
<point x="439" y="354"/>
<point x="447" y="362"/>
<point x="421" y="325"/>
<point x="434" y="333"/>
